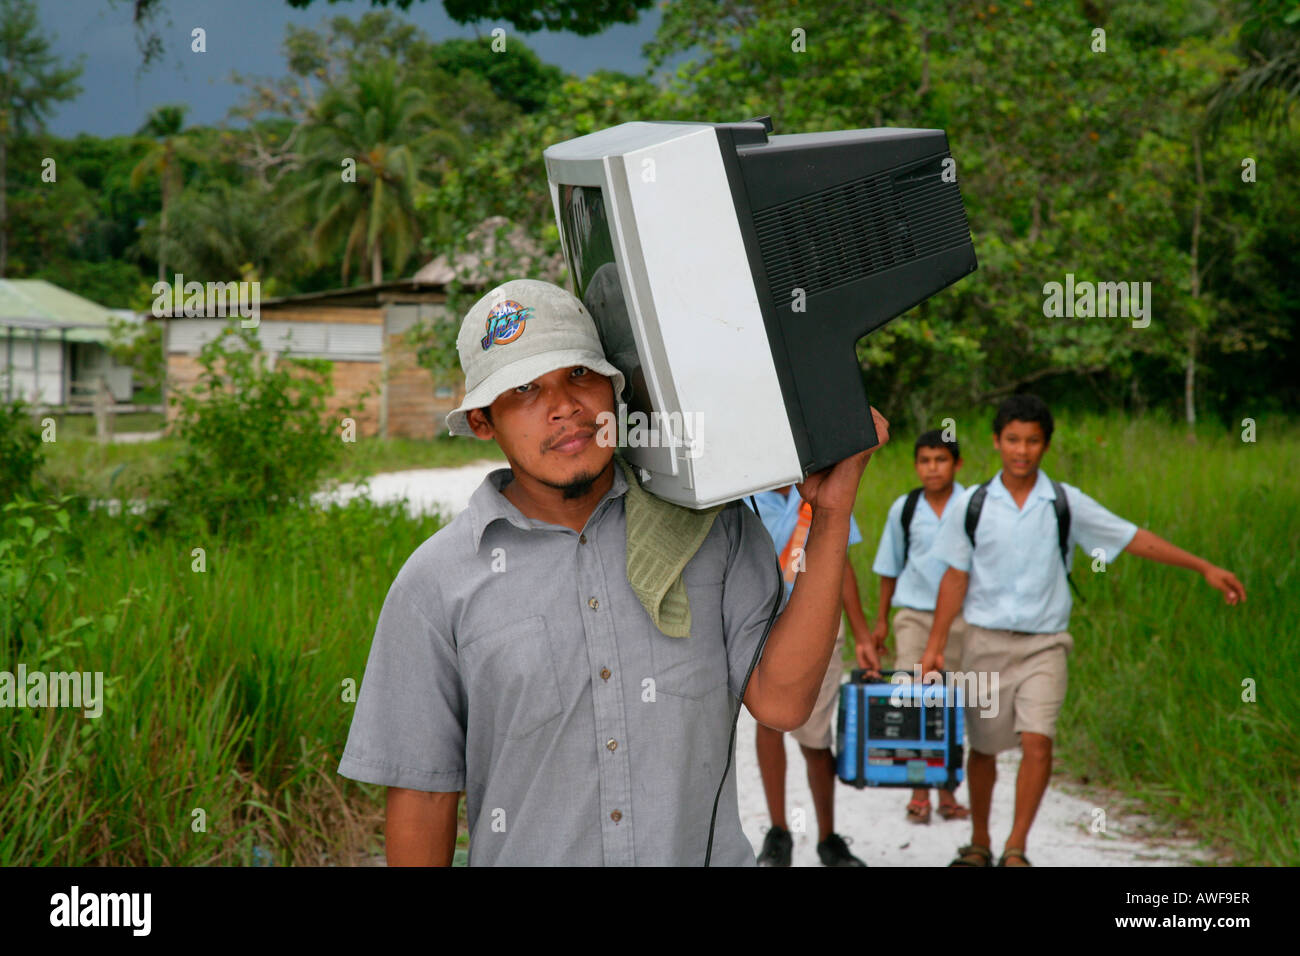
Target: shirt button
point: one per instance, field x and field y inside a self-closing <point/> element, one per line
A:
<point x="593" y="603"/>
<point x="616" y="816"/>
<point x="604" y="673"/>
<point x="611" y="744"/>
<point x="582" y="539"/>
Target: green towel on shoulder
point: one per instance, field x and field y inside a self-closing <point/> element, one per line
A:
<point x="661" y="539"/>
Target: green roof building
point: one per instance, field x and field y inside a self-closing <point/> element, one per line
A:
<point x="53" y="345"/>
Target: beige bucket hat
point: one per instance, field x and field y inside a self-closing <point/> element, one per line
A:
<point x="520" y="330"/>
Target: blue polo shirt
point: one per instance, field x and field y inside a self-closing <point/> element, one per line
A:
<point x="918" y="579"/>
<point x="780" y="514"/>
<point x="1017" y="581"/>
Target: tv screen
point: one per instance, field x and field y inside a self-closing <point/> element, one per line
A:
<point x="590" y="255"/>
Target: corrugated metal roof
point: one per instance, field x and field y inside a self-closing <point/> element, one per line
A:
<point x="27" y="305"/>
<point x="362" y="295"/>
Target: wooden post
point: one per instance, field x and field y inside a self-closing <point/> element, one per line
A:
<point x="384" y="373"/>
<point x="103" y="412"/>
<point x="63" y="367"/>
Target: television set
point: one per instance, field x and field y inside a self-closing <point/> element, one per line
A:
<point x="731" y="273"/>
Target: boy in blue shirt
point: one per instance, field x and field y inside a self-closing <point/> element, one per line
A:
<point x="909" y="581"/>
<point x="786" y="517"/>
<point x="1011" y="583"/>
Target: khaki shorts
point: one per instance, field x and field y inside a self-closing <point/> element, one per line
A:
<point x="1032" y="676"/>
<point x="816" y="733"/>
<point x="912" y="633"/>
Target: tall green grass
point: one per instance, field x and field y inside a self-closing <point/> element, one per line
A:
<point x="1155" y="706"/>
<point x="81" y="466"/>
<point x="230" y="700"/>
<point x="73" y="427"/>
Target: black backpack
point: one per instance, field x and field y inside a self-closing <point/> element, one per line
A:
<point x="976" y="504"/>
<point x="909" y="509"/>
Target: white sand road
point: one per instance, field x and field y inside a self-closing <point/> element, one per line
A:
<point x="1075" y="826"/>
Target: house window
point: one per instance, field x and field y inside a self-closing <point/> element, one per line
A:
<point x="443" y="391"/>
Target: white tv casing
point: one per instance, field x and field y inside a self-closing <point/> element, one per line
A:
<point x="692" y="304"/>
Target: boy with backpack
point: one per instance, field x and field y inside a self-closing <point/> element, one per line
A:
<point x="909" y="582"/>
<point x="1007" y="546"/>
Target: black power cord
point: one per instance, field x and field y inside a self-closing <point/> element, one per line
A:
<point x="735" y="718"/>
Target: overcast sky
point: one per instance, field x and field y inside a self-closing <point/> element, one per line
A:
<point x="245" y="36"/>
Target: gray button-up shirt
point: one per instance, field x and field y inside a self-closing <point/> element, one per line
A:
<point x="513" y="660"/>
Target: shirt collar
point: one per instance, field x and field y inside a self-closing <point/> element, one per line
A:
<point x="957" y="489"/>
<point x="487" y="504"/>
<point x="1042" y="487"/>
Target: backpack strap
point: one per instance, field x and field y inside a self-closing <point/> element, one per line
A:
<point x="1062" y="508"/>
<point x="974" y="505"/>
<point x="909" y="510"/>
<point x="1063" y="533"/>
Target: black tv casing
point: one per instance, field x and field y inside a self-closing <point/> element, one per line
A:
<point x="868" y="226"/>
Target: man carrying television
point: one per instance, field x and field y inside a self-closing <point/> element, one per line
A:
<point x="513" y="659"/>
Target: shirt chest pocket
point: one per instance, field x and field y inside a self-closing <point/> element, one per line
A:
<point x="695" y="666"/>
<point x="510" y="678"/>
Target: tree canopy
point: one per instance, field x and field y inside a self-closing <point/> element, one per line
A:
<point x="1134" y="142"/>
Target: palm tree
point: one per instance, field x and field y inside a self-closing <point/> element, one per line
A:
<point x="387" y="130"/>
<point x="224" y="231"/>
<point x="1268" y="87"/>
<point x="163" y="160"/>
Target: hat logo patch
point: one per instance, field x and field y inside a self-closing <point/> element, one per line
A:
<point x="505" y="323"/>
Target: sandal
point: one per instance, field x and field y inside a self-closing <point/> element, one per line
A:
<point x="973" y="855"/>
<point x="953" y="811"/>
<point x="1014" y="853"/>
<point x="918" y="811"/>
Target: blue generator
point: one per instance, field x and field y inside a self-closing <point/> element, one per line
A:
<point x="892" y="732"/>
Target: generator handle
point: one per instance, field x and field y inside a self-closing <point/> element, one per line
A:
<point x="860" y="676"/>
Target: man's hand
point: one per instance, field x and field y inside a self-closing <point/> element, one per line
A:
<point x="1225" y="581"/>
<point x="836" y="488"/>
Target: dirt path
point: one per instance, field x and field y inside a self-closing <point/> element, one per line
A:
<point x="1066" y="832"/>
<point x="446" y="490"/>
<point x="874" y="819"/>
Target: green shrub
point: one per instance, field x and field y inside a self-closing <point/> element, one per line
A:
<point x="21" y="449"/>
<point x="254" y="439"/>
<point x="32" y="569"/>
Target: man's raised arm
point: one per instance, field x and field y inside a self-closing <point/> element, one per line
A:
<point x="784" y="686"/>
